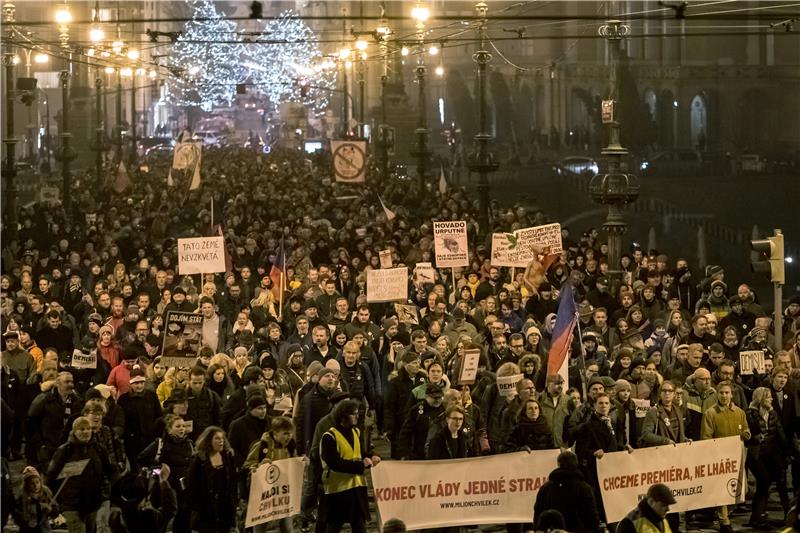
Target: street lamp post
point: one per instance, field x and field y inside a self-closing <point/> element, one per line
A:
<point x="134" y="152"/>
<point x="344" y="55"/>
<point x="420" y="149"/>
<point x="99" y="130"/>
<point x="10" y="170"/>
<point x="615" y="188"/>
<point x="482" y="160"/>
<point x="67" y="152"/>
<point x="118" y="128"/>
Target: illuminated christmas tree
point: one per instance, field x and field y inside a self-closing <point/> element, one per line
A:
<point x="286" y="63"/>
<point x="205" y="60"/>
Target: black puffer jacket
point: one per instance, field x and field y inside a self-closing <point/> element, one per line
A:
<point x="85" y="492"/>
<point x="566" y="491"/>
<point x="175" y="453"/>
<point x="531" y="434"/>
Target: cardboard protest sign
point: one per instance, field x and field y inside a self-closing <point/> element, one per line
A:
<point x="469" y="366"/>
<point x="275" y="490"/>
<point x="349" y="160"/>
<point x="701" y="474"/>
<point x="201" y="255"/>
<point x="386" y="258"/>
<point x="496" y="489"/>
<point x="450" y="243"/>
<point x="73" y="468"/>
<point x="387" y="284"/>
<point x="642" y="406"/>
<point x="84" y="360"/>
<point x="183" y="335"/>
<point x="750" y="360"/>
<point x="424" y="273"/>
<point x="407" y="313"/>
<point x="520" y="248"/>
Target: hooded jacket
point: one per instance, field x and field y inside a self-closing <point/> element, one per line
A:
<point x="566" y="491"/>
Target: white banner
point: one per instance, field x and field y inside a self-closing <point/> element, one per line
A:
<point x="201" y="255"/>
<point x="275" y="490"/>
<point x="484" y="490"/>
<point x="520" y="248"/>
<point x="450" y="244"/>
<point x="706" y="473"/>
<point x="387" y="284"/>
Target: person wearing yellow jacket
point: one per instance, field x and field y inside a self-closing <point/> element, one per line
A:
<point x="649" y="516"/>
<point x="344" y="463"/>
<point x="724" y="420"/>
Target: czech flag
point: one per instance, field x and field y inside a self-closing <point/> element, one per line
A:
<point x="278" y="271"/>
<point x="566" y="318"/>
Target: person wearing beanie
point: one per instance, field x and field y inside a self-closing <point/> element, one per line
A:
<point x="276" y="443"/>
<point x="398" y="396"/>
<point x="623" y="416"/>
<point x="718" y="299"/>
<point x="248" y="428"/>
<point x="120" y="375"/>
<point x="142" y="409"/>
<point x="35" y="506"/>
<point x="293" y="372"/>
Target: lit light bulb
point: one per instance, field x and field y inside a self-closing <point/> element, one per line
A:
<point x="152" y="73"/>
<point x="433" y="50"/>
<point x="404" y="51"/>
<point x="133" y="54"/>
<point x="361" y="45"/>
<point x="364" y="56"/>
<point x="15" y="60"/>
<point x="126" y="72"/>
<point x="440" y="71"/>
<point x="63" y="16"/>
<point x="96" y="35"/>
<point x="344" y="53"/>
<point x="109" y="70"/>
<point x="41" y="58"/>
<point x="117" y="46"/>
<point x="420" y="13"/>
<point x="348" y="64"/>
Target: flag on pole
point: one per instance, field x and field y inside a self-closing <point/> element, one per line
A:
<point x="187" y="156"/>
<point x="388" y="212"/>
<point x="121" y="179"/>
<point x="566" y="317"/>
<point x="278" y="270"/>
<point x="442" y="182"/>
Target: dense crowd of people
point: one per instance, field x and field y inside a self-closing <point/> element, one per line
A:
<point x="316" y="370"/>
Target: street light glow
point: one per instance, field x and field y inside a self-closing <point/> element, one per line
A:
<point x="15" y="60"/>
<point x="41" y="58"/>
<point x="420" y="13"/>
<point x="133" y="54"/>
<point x="361" y="45"/>
<point x="117" y="46"/>
<point x="404" y="51"/>
<point x="127" y="72"/>
<point x="344" y="53"/>
<point x="96" y="35"/>
<point x="63" y="16"/>
<point x="440" y="71"/>
<point x="433" y="50"/>
<point x="109" y="70"/>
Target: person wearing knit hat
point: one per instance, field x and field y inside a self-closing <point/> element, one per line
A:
<point x="311" y="371"/>
<point x="35" y="506"/>
<point x="324" y="371"/>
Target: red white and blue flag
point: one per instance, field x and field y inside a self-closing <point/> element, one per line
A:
<point x="566" y="318"/>
<point x="278" y="271"/>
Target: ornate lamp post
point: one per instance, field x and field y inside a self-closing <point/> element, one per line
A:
<point x="482" y="160"/>
<point x="66" y="154"/>
<point x="420" y="149"/>
<point x="10" y="164"/>
<point x="99" y="146"/>
<point x="615" y="188"/>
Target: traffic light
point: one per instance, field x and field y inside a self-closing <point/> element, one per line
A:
<point x="770" y="249"/>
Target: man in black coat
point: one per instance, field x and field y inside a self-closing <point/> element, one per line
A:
<point x="236" y="404"/>
<point x="142" y="409"/>
<point x="397" y="394"/>
<point x="314" y="405"/>
<point x="417" y="424"/>
<point x="565" y="491"/>
<point x="55" y="334"/>
<point x="47" y="417"/>
<point x="204" y="404"/>
<point x="247" y="429"/>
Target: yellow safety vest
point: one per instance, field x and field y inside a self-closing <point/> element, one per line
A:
<point x="643" y="525"/>
<point x="334" y="481"/>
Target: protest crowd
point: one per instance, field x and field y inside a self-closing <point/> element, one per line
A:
<point x="288" y="355"/>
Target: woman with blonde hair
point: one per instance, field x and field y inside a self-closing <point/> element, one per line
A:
<point x="766" y="450"/>
<point x="174" y="378"/>
<point x="263" y="308"/>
